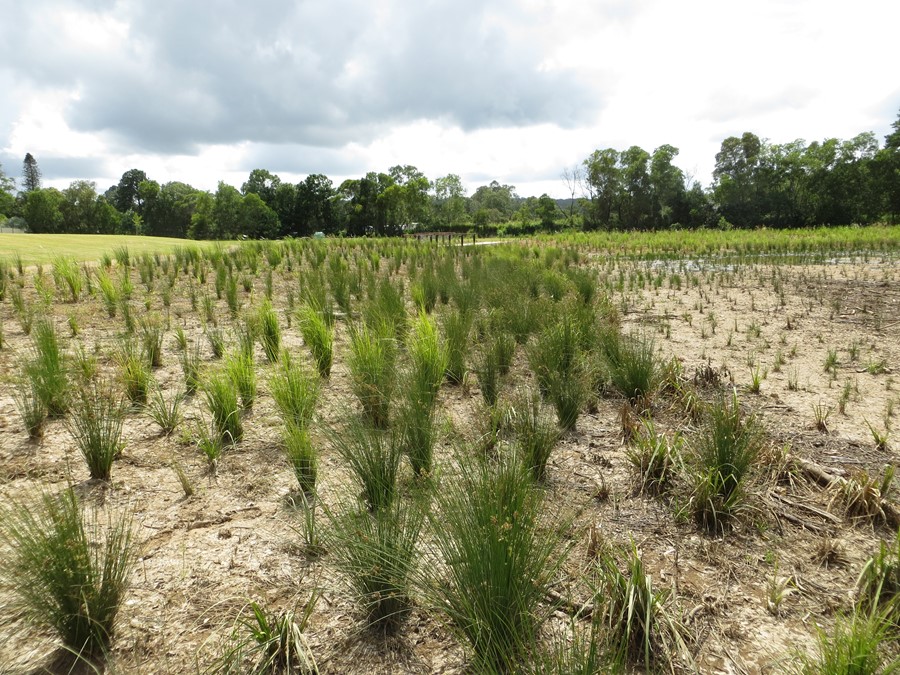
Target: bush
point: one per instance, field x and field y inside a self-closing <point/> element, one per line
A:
<point x="68" y="573"/>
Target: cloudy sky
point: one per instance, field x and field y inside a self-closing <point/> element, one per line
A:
<point x="512" y="90"/>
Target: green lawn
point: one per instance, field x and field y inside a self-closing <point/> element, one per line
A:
<point x="43" y="248"/>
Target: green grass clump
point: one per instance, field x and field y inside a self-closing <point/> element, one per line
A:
<point x="376" y="553"/>
<point x="725" y="452"/>
<point x="536" y="435"/>
<point x="222" y="402"/>
<point x="856" y="646"/>
<point x="374" y="459"/>
<point x="47" y="370"/>
<point x="67" y="571"/>
<point x="457" y="327"/>
<point x="487" y="369"/>
<point x="167" y="414"/>
<point x="632" y="365"/>
<point x="269" y="331"/>
<point x="109" y="291"/>
<point x="496" y="561"/>
<point x="96" y="426"/>
<point x="134" y="373"/>
<point x="427" y="360"/>
<point x="190" y="367"/>
<point x="301" y="455"/>
<point x="151" y="341"/>
<point x="372" y="360"/>
<point x="66" y="273"/>
<point x="318" y="335"/>
<point x="295" y="391"/>
<point x="242" y="372"/>
<point x="31" y="409"/>
<point x="654" y="457"/>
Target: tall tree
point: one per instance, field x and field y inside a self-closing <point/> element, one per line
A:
<point x="127" y="194"/>
<point x="263" y="183"/>
<point x="31" y="174"/>
<point x="7" y="188"/>
<point x="314" y="207"/>
<point x="43" y="211"/>
<point x="603" y="183"/>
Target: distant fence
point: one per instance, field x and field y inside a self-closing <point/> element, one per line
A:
<point x="11" y="230"/>
<point x="447" y="237"/>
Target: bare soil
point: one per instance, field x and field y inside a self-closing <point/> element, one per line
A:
<point x="205" y="557"/>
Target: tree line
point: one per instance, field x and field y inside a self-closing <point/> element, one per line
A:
<point x="755" y="183"/>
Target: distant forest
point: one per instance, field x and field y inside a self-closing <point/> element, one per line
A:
<point x="755" y="183"/>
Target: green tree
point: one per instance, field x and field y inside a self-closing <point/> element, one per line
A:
<point x="31" y="174"/>
<point x="547" y="211"/>
<point x="449" y="200"/>
<point x="667" y="188"/>
<point x="127" y="193"/>
<point x="227" y="211"/>
<point x="283" y="205"/>
<point x="258" y="221"/>
<point x="603" y="183"/>
<point x="203" y="219"/>
<point x="636" y="206"/>
<point x="7" y="190"/>
<point x="313" y="206"/>
<point x="735" y="179"/>
<point x="263" y="183"/>
<point x="43" y="211"/>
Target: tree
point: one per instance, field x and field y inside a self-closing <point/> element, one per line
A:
<point x="7" y="188"/>
<point x="449" y="200"/>
<point x="546" y="211"/>
<point x="573" y="178"/>
<point x="227" y="211"/>
<point x="635" y="207"/>
<point x="667" y="187"/>
<point x="603" y="181"/>
<point x="735" y="179"/>
<point x="31" y="174"/>
<point x="127" y="193"/>
<point x="313" y="205"/>
<point x="43" y="210"/>
<point x="263" y="183"/>
<point x="258" y="220"/>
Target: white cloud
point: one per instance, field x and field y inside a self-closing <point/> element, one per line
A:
<point x="514" y="90"/>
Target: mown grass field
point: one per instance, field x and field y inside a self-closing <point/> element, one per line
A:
<point x="585" y="453"/>
<point x="34" y="249"/>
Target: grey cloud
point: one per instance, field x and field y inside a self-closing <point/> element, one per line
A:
<point x="299" y="160"/>
<point x="307" y="73"/>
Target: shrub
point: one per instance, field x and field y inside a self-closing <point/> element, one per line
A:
<point x="295" y="391"/>
<point x="373" y="355"/>
<point x="318" y="336"/>
<point x="96" y="426"/>
<point x="68" y="572"/>
<point x="497" y="562"/>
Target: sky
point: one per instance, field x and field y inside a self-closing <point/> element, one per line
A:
<point x="510" y="90"/>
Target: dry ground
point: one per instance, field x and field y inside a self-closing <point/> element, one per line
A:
<point x="204" y="557"/>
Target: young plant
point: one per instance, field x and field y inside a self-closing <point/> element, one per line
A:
<point x="167" y="414"/>
<point x="374" y="459"/>
<point x="190" y="367"/>
<point x="269" y="642"/>
<point x="536" y="435"/>
<point x="639" y="629"/>
<point x="222" y="402"/>
<point x="269" y="331"/>
<point x="373" y="355"/>
<point x="654" y="458"/>
<point x="318" y="336"/>
<point x="96" y="426"/>
<point x="31" y="409"/>
<point x="67" y="571"/>
<point x="724" y="454"/>
<point x="134" y="372"/>
<point x="457" y="327"/>
<point x="242" y="372"/>
<point x="302" y="457"/>
<point x="497" y="561"/>
<point x="151" y="341"/>
<point x="633" y="368"/>
<point x="295" y="391"/>
<point x="376" y="552"/>
<point x="428" y="361"/>
<point x="47" y="369"/>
